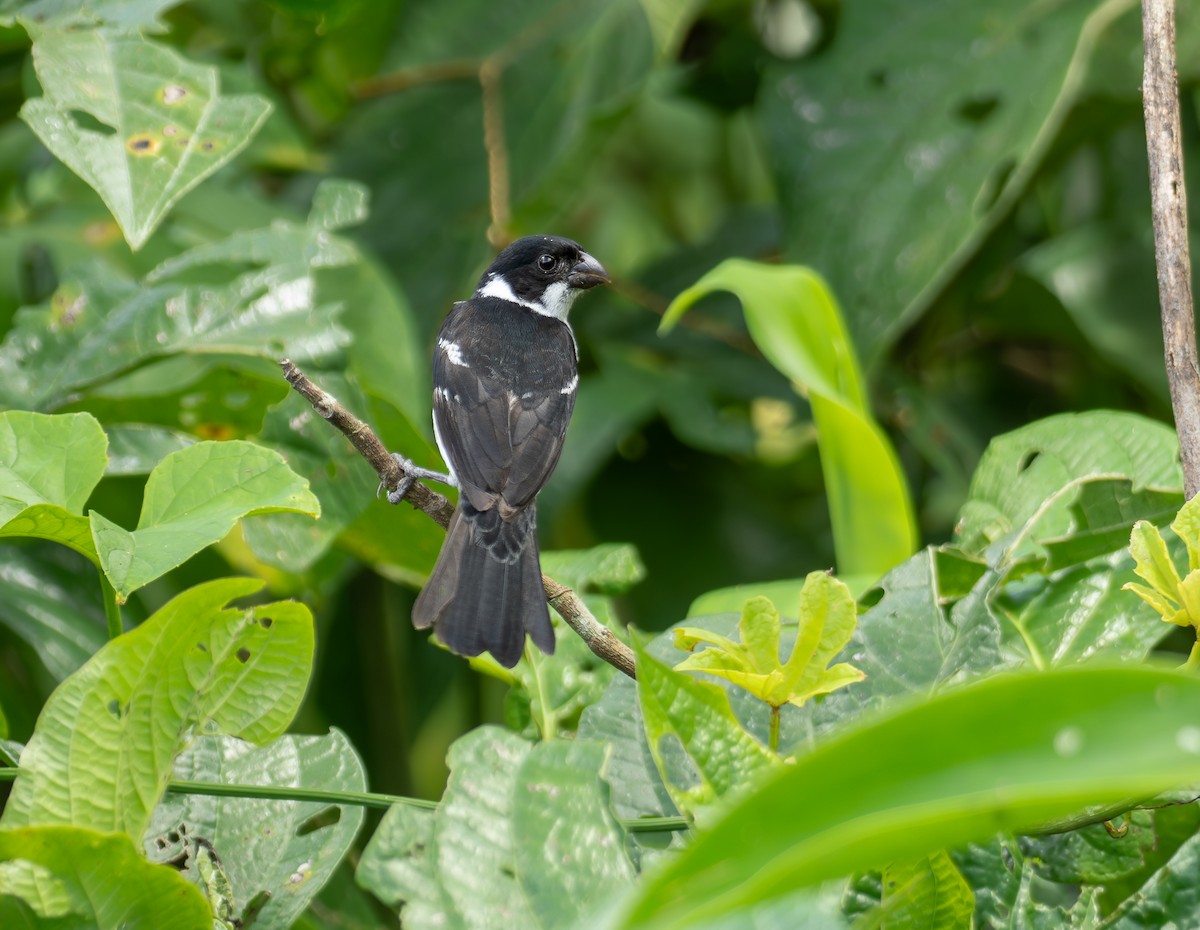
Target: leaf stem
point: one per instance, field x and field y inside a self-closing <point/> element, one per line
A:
<point x="773" y="736"/>
<point x="356" y="798"/>
<point x="112" y="609"/>
<point x="1193" y="659"/>
<point x="547" y="722"/>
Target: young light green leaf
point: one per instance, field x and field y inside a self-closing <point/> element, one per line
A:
<point x="1176" y="600"/>
<point x="99" y="879"/>
<point x="1008" y="752"/>
<point x="1187" y="527"/>
<point x="796" y="324"/>
<point x="164" y="126"/>
<point x="102" y="750"/>
<point x="192" y="499"/>
<point x="287" y="849"/>
<point x="701" y="750"/>
<point x="929" y="894"/>
<point x="827" y="619"/>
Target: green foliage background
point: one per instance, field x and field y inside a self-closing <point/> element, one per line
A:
<point x="191" y="190"/>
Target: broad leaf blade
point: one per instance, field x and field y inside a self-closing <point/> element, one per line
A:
<point x="105" y="880"/>
<point x="905" y="116"/>
<point x="166" y="125"/>
<point x="570" y="851"/>
<point x="796" y="324"/>
<point x="51" y="459"/>
<point x="287" y="849"/>
<point x="192" y="499"/>
<point x="103" y="747"/>
<point x="1010" y="751"/>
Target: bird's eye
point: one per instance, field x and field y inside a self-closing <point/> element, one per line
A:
<point x="546" y="262"/>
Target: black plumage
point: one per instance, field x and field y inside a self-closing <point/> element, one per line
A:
<point x="505" y="376"/>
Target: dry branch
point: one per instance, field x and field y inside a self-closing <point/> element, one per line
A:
<point x="564" y="601"/>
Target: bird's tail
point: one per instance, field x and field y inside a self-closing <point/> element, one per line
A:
<point x="476" y="602"/>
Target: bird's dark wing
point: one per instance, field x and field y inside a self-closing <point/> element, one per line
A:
<point x="501" y="421"/>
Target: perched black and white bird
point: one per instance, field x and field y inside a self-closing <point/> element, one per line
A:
<point x="505" y="373"/>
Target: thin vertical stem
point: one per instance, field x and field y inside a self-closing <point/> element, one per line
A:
<point x="773" y="736"/>
<point x="1168" y="197"/>
<point x="112" y="610"/>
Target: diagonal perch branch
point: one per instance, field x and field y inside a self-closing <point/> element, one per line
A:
<point x="565" y="602"/>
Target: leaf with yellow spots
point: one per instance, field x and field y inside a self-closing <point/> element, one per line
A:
<point x="827" y="619"/>
<point x="135" y="120"/>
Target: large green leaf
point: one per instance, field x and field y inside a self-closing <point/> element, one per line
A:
<point x="163" y="124"/>
<point x="192" y="499"/>
<point x="102" y="750"/>
<point x="117" y="16"/>
<point x="796" y="324"/>
<point x="523" y="838"/>
<point x="1029" y="479"/>
<point x="100" y="879"/>
<point x="1010" y="751"/>
<point x="100" y="323"/>
<point x="571" y="854"/>
<point x="899" y="145"/>
<point x="287" y="849"/>
<point x="49" y="466"/>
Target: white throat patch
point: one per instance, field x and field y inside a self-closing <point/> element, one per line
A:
<point x="556" y="301"/>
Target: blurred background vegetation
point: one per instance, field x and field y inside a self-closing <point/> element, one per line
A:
<point x="970" y="178"/>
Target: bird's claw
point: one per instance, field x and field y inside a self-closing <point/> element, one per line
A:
<point x="411" y="474"/>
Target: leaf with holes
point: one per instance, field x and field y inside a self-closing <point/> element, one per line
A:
<point x="285" y="850"/>
<point x="192" y="499"/>
<point x="1009" y="752"/>
<point x="97" y="880"/>
<point x="1030" y="479"/>
<point x="930" y="117"/>
<point x="524" y="837"/>
<point x="134" y="119"/>
<point x="102" y="750"/>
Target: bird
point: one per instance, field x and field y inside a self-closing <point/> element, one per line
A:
<point x="505" y="377"/>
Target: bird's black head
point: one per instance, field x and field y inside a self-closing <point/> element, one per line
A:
<point x="543" y="273"/>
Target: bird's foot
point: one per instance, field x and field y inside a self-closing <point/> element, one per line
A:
<point x="411" y="474"/>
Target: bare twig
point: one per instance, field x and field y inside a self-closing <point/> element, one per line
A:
<point x="564" y="601"/>
<point x="497" y="152"/>
<point x="1168" y="197"/>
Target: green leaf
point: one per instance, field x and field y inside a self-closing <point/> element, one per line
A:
<point x="523" y="838"/>
<point x="193" y="498"/>
<point x="99" y="323"/>
<point x="904" y="113"/>
<point x="571" y="851"/>
<point x="1007" y="752"/>
<point x="51" y="459"/>
<point x="135" y="448"/>
<point x="827" y="619"/>
<point x="102" y="879"/>
<point x="1167" y="897"/>
<point x="796" y="324"/>
<point x="930" y="894"/>
<point x="45" y="602"/>
<point x="113" y="16"/>
<point x="701" y="750"/>
<point x="287" y="849"/>
<point x="610" y="568"/>
<point x="102" y="750"/>
<point x="399" y="867"/>
<point x="1028" y="479"/>
<point x="164" y="125"/>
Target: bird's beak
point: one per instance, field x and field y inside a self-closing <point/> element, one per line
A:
<point x="588" y="273"/>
